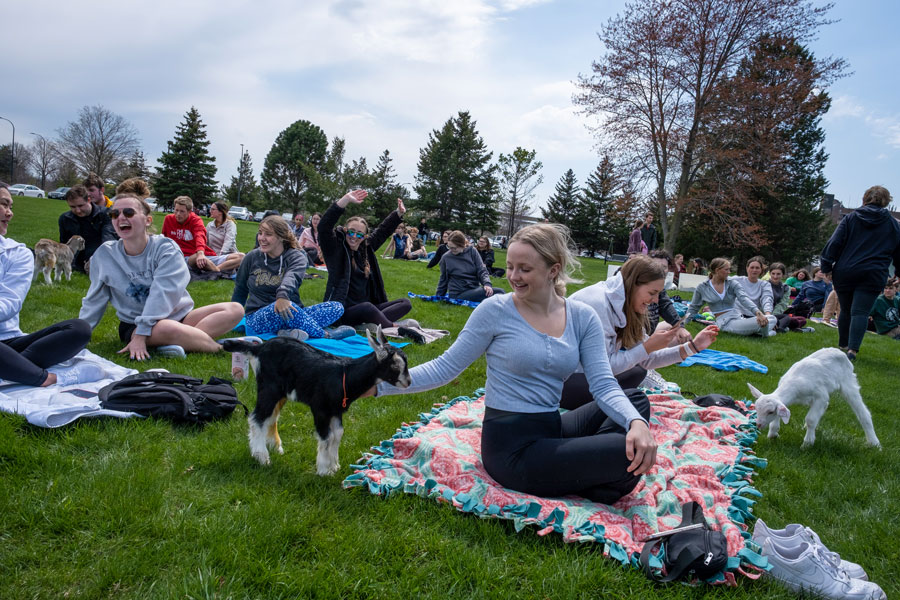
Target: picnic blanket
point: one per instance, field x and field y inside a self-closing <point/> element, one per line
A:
<point x="354" y="346"/>
<point x="723" y="361"/>
<point x="447" y="299"/>
<point x="55" y="405"/>
<point x="704" y="455"/>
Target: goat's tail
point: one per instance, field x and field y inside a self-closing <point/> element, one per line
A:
<point x="850" y="391"/>
<point x="241" y="346"/>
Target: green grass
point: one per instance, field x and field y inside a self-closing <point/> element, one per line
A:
<point x="142" y="509"/>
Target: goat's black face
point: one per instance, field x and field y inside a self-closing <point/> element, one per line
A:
<point x="392" y="366"/>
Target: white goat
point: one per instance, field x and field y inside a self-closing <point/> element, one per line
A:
<point x="810" y="382"/>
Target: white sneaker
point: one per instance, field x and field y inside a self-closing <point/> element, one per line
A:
<point x="807" y="568"/>
<point x="795" y="534"/>
<point x="83" y="372"/>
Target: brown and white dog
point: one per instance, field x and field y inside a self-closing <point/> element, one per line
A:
<point x="53" y="256"/>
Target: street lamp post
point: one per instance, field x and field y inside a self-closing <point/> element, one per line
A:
<point x="12" y="153"/>
<point x="240" y="175"/>
<point x="43" y="157"/>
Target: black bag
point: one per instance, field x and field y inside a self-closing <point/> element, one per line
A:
<point x="179" y="398"/>
<point x="801" y="308"/>
<point x="699" y="552"/>
<point x="718" y="400"/>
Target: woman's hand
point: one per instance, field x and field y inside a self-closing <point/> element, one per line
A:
<point x="354" y="196"/>
<point x="761" y="319"/>
<point x="401" y="209"/>
<point x="682" y="336"/>
<point x="488" y="291"/>
<point x="706" y="337"/>
<point x="285" y="309"/>
<point x="136" y="348"/>
<point x="640" y="448"/>
<point x="660" y="339"/>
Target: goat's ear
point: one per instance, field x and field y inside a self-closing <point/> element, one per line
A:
<point x="783" y="412"/>
<point x="754" y="392"/>
<point x="380" y="352"/>
<point x="379" y="335"/>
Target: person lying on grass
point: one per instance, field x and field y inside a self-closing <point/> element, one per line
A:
<point x="534" y="339"/>
<point x="622" y="302"/>
<point x="268" y="286"/>
<point x="26" y="358"/>
<point x="145" y="278"/>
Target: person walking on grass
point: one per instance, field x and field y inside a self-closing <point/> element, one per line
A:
<point x="857" y="257"/>
<point x="28" y="358"/>
<point x="534" y="339"/>
<point x="145" y="278"/>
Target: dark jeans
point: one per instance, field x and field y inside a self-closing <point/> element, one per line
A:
<point x="856" y="304"/>
<point x="576" y="391"/>
<point x="385" y="314"/>
<point x="581" y="452"/>
<point x="477" y="294"/>
<point x="25" y="359"/>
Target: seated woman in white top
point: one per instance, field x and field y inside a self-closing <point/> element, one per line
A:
<point x="145" y="278"/>
<point x="724" y="296"/>
<point x="534" y="339"/>
<point x="761" y="293"/>
<point x="221" y="236"/>
<point x="621" y="303"/>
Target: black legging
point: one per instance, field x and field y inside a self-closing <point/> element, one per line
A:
<point x="580" y="452"/>
<point x="385" y="314"/>
<point x="576" y="391"/>
<point x="856" y="304"/>
<point x="477" y="294"/>
<point x="25" y="359"/>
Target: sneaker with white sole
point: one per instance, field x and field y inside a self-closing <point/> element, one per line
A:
<point x="409" y="323"/>
<point x="341" y="332"/>
<point x="807" y="568"/>
<point x="173" y="350"/>
<point x="794" y="535"/>
<point x="84" y="372"/>
<point x="294" y="334"/>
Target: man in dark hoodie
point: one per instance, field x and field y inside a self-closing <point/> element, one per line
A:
<point x="857" y="257"/>
<point x="86" y="219"/>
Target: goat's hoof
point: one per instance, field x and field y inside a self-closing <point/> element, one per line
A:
<point x="329" y="470"/>
<point x="279" y="449"/>
<point x="263" y="459"/>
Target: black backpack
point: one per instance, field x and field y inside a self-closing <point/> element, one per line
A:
<point x="179" y="398"/>
<point x="718" y="400"/>
<point x="801" y="308"/>
<point x="701" y="551"/>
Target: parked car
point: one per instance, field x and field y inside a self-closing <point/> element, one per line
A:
<point x="499" y="241"/>
<point x="23" y="189"/>
<point x="259" y="216"/>
<point x="59" y="193"/>
<point x="153" y="202"/>
<point x="239" y="212"/>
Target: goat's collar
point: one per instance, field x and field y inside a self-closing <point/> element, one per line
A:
<point x="344" y="384"/>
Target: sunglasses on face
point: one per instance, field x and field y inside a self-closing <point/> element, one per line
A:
<point x="128" y="212"/>
<point x="356" y="234"/>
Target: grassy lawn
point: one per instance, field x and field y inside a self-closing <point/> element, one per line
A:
<point x="142" y="509"/>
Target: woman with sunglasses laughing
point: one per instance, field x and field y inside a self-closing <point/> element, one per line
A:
<point x="145" y="278"/>
<point x="354" y="278"/>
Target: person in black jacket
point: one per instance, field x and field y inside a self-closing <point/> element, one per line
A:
<point x="487" y="257"/>
<point x="857" y="258"/>
<point x="664" y="307"/>
<point x="648" y="233"/>
<point x="354" y="277"/>
<point x="441" y="250"/>
<point x="86" y="219"/>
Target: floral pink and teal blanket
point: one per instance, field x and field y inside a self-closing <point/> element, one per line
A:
<point x="704" y="455"/>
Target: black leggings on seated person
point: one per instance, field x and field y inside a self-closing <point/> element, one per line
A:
<point x="385" y="314"/>
<point x="25" y="359"/>
<point x="477" y="294"/>
<point x="548" y="454"/>
<point x="576" y="391"/>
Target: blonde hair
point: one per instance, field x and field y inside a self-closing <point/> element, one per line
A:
<point x="134" y="186"/>
<point x="184" y="201"/>
<point x="553" y="243"/>
<point x="877" y="195"/>
<point x="277" y="225"/>
<point x="716" y="264"/>
<point x="638" y="270"/>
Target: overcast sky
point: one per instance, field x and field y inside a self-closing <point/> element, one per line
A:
<point x="383" y="74"/>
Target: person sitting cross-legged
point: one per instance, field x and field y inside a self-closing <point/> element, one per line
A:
<point x="86" y="219"/>
<point x="463" y="275"/>
<point x="187" y="229"/>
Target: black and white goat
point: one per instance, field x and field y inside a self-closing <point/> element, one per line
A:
<point x="287" y="369"/>
<point x="811" y="381"/>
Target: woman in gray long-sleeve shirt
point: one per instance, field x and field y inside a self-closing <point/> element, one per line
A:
<point x="534" y="339"/>
<point x="463" y="274"/>
<point x="145" y="278"/>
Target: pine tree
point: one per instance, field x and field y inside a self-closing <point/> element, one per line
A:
<point x="137" y="166"/>
<point x="456" y="177"/>
<point x="297" y="171"/>
<point x="519" y="176"/>
<point x="593" y="227"/>
<point x="186" y="168"/>
<point x="243" y="190"/>
<point x="385" y="189"/>
<point x="562" y="207"/>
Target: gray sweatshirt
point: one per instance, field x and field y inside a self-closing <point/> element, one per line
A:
<point x="261" y="280"/>
<point x="760" y="293"/>
<point x="735" y="297"/>
<point x="462" y="272"/>
<point x="144" y="289"/>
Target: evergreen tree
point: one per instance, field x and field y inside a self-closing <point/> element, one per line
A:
<point x="296" y="172"/>
<point x="385" y="189"/>
<point x="563" y="205"/>
<point x="519" y="176"/>
<point x="456" y="176"/>
<point x="137" y="166"/>
<point x="596" y="213"/>
<point x="243" y="190"/>
<point x="186" y="168"/>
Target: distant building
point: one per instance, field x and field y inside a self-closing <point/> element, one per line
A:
<point x="837" y="211"/>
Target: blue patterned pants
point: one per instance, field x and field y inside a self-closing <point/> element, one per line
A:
<point x="311" y="319"/>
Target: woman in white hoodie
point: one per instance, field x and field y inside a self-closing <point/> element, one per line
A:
<point x="621" y="303"/>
